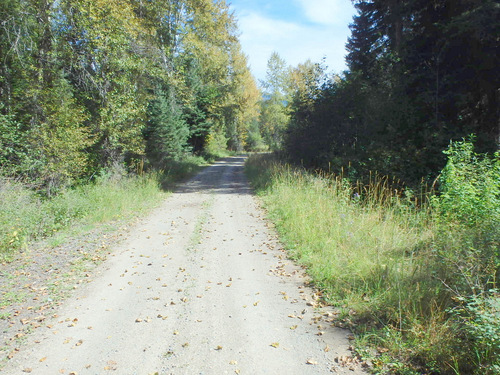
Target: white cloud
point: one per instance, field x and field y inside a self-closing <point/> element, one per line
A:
<point x="294" y="42"/>
<point x="326" y="12"/>
<point x="254" y="25"/>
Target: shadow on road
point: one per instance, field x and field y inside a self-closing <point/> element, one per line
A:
<point x="225" y="176"/>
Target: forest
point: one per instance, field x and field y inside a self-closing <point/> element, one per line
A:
<point x="420" y="74"/>
<point x="87" y="86"/>
<point x="401" y="150"/>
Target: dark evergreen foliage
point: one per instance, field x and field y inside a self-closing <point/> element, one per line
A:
<point x="420" y="74"/>
<point x="166" y="132"/>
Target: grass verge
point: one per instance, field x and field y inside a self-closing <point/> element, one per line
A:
<point x="26" y="216"/>
<point x="380" y="258"/>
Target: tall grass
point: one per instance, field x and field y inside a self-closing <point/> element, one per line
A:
<point x="26" y="215"/>
<point x="374" y="253"/>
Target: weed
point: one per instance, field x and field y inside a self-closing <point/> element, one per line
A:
<point x="407" y="270"/>
<point x="26" y="215"/>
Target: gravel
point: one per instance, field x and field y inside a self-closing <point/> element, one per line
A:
<point x="200" y="286"/>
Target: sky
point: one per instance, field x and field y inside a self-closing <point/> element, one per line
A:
<point x="297" y="29"/>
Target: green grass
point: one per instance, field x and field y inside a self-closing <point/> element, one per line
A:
<point x="27" y="216"/>
<point x="377" y="256"/>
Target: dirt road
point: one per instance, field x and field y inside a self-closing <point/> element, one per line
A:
<point x="201" y="286"/>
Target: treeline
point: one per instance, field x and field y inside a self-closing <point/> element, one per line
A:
<point x="421" y="73"/>
<point x="88" y="85"/>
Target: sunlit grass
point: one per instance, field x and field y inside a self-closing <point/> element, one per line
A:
<point x="26" y="216"/>
<point x="372" y="255"/>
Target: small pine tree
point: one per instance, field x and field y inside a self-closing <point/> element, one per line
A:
<point x="166" y="132"/>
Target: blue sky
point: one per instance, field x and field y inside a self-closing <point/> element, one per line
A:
<point x="297" y="29"/>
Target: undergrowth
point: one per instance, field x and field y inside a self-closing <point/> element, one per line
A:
<point x="420" y="280"/>
<point x="27" y="215"/>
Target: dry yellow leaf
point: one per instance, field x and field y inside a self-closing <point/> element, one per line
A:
<point x="275" y="344"/>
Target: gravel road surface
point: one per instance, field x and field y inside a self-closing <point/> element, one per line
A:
<point x="200" y="286"/>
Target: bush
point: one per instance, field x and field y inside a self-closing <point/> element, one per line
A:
<point x="467" y="221"/>
<point x="480" y="320"/>
<point x="466" y="250"/>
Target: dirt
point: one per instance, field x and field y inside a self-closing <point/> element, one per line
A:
<point x="200" y="286"/>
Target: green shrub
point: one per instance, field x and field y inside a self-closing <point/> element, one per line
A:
<point x="467" y="221"/>
<point x="467" y="251"/>
<point x="479" y="317"/>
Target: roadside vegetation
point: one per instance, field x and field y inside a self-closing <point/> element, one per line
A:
<point x="414" y="275"/>
<point x="412" y="259"/>
<point x="27" y="215"/>
<point x="104" y="102"/>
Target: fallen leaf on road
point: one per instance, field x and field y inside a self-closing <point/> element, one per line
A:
<point x="218" y="347"/>
<point x="111" y="366"/>
<point x="311" y="361"/>
<point x="275" y="344"/>
<point x="233" y="362"/>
